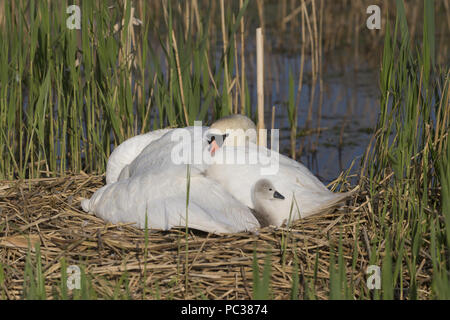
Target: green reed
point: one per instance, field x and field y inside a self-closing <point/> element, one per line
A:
<point x="408" y="160"/>
<point x="67" y="96"/>
<point x="261" y="285"/>
<point x="409" y="164"/>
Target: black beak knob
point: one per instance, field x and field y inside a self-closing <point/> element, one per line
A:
<point x="278" y="195"/>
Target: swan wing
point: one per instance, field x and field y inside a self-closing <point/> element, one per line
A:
<point x="127" y="151"/>
<point x="162" y="199"/>
<point x="172" y="152"/>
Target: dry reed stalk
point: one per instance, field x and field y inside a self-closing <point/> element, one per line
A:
<point x="218" y="265"/>
<point x="165" y="12"/>
<point x="447" y="12"/>
<point x="211" y="77"/>
<point x="283" y="15"/>
<point x="320" y="72"/>
<point x="197" y="16"/>
<point x="262" y="137"/>
<point x="237" y="78"/>
<point x="242" y="61"/>
<point x="291" y="16"/>
<point x="125" y="52"/>
<point x="149" y="103"/>
<point x="187" y="19"/>
<point x="2" y="14"/>
<point x="315" y="52"/>
<point x="313" y="71"/>
<point x="314" y="64"/>
<point x="294" y="22"/>
<point x="273" y="118"/>
<point x="293" y="137"/>
<point x="225" y="59"/>
<point x="180" y="79"/>
<point x="260" y="6"/>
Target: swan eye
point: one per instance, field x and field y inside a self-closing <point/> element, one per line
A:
<point x="270" y="189"/>
<point x="211" y="139"/>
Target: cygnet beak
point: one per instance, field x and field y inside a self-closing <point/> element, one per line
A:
<point x="278" y="195"/>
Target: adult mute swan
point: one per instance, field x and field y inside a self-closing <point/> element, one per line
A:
<point x="155" y="185"/>
<point x="128" y="150"/>
<point x="301" y="189"/>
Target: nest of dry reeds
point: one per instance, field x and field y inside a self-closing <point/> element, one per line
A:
<point x="47" y="211"/>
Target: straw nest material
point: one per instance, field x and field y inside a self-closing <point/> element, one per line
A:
<point x="47" y="211"/>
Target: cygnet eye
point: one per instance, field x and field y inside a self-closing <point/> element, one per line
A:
<point x="270" y="189"/>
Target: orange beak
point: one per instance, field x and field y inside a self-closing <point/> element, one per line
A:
<point x="214" y="147"/>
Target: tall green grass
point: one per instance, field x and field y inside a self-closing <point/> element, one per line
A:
<point x="409" y="161"/>
<point x="261" y="285"/>
<point x="408" y="170"/>
<point x="66" y="96"/>
<point x="34" y="283"/>
<point x="57" y="116"/>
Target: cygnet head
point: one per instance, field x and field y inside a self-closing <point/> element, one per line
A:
<point x="235" y="130"/>
<point x="266" y="201"/>
<point x="264" y="189"/>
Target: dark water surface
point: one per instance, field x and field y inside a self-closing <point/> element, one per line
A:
<point x="348" y="115"/>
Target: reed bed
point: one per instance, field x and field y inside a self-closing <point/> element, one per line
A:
<point x="120" y="262"/>
<point x="67" y="98"/>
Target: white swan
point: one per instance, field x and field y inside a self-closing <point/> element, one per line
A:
<point x="127" y="151"/>
<point x="151" y="183"/>
<point x="156" y="187"/>
<point x="267" y="201"/>
<point x="299" y="186"/>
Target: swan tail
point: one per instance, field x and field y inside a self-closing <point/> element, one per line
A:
<point x="332" y="204"/>
<point x="86" y="205"/>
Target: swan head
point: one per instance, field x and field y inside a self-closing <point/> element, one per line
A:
<point x="268" y="203"/>
<point x="235" y="130"/>
<point x="264" y="190"/>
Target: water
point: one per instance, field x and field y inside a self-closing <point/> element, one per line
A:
<point x="348" y="114"/>
<point x="350" y="101"/>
